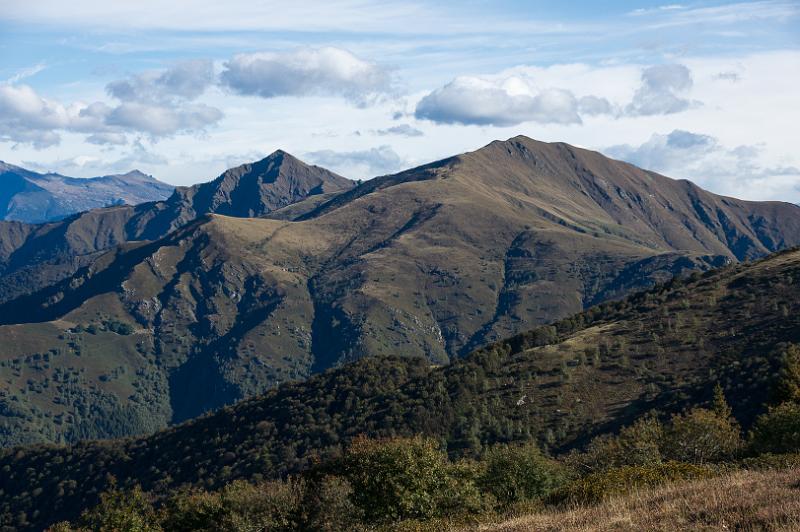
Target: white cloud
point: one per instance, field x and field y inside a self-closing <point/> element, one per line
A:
<point x="662" y="91"/>
<point x="501" y="102"/>
<point x="594" y="105"/>
<point x="410" y="17"/>
<point x="359" y="164"/>
<point x="107" y="138"/>
<point x="162" y="120"/>
<point x="548" y="96"/>
<point x="137" y="156"/>
<point x="403" y="130"/>
<point x="306" y="72"/>
<point x="731" y="13"/>
<point x="26" y="73"/>
<point x="705" y="161"/>
<point x="25" y="117"/>
<point x="155" y="103"/>
<point x="185" y="80"/>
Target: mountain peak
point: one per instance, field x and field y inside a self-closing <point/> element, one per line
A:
<point x="259" y="187"/>
<point x="279" y="153"/>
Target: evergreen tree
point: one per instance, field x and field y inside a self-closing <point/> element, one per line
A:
<point x="719" y="404"/>
<point x="787" y="388"/>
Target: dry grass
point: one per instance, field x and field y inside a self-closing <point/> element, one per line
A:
<point x="745" y="501"/>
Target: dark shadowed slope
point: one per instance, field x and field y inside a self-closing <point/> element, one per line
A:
<point x="432" y="262"/>
<point x="33" y="256"/>
<point x="31" y="197"/>
<point x="557" y="384"/>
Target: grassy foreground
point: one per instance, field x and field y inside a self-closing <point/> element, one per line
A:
<point x="743" y="500"/>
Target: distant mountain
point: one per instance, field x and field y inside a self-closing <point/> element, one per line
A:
<point x="31" y="197"/>
<point x="432" y="262"/>
<point x="34" y="256"/>
<point x="558" y="385"/>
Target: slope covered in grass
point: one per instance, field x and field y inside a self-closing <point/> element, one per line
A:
<point x="744" y="500"/>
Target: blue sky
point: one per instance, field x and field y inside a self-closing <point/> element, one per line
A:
<point x="697" y="90"/>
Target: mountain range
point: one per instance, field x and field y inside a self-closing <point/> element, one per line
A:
<point x="559" y="384"/>
<point x="31" y="197"/>
<point x="278" y="270"/>
<point x="34" y="256"/>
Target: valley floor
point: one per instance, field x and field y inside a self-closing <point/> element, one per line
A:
<point x="743" y="501"/>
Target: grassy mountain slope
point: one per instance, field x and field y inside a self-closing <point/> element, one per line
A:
<point x="432" y="262"/>
<point x="558" y="384"/>
<point x="34" y="256"/>
<point x="749" y="500"/>
<point x="31" y="197"/>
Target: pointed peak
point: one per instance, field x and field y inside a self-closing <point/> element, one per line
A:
<point x="278" y="157"/>
<point x="136" y="174"/>
<point x="281" y="155"/>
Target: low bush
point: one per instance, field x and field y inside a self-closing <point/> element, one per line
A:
<point x="517" y="473"/>
<point x="700" y="436"/>
<point x="239" y="506"/>
<point x="123" y="511"/>
<point x="637" y="444"/>
<point x="406" y="478"/>
<point x="771" y="462"/>
<point x="777" y="431"/>
<point x="599" y="486"/>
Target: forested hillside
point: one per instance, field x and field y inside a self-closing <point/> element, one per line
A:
<point x="557" y="385"/>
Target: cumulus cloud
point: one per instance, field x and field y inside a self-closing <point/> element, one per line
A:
<point x="186" y="80"/>
<point x="594" y="105"/>
<point x="552" y="96"/>
<point x="703" y="159"/>
<point x="25" y="117"/>
<point x="163" y="120"/>
<point x="361" y="163"/>
<point x="306" y="72"/>
<point x="665" y="152"/>
<point x="662" y="91"/>
<point x="155" y="103"/>
<point x="500" y="102"/>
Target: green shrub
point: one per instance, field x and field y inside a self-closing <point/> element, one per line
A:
<point x="327" y="506"/>
<point x="122" y="511"/>
<point x="239" y="506"/>
<point x="777" y="431"/>
<point x="403" y="478"/>
<point x="637" y="444"/>
<point x="119" y="327"/>
<point x="517" y="473"/>
<point x="700" y="436"/>
<point x="598" y="486"/>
